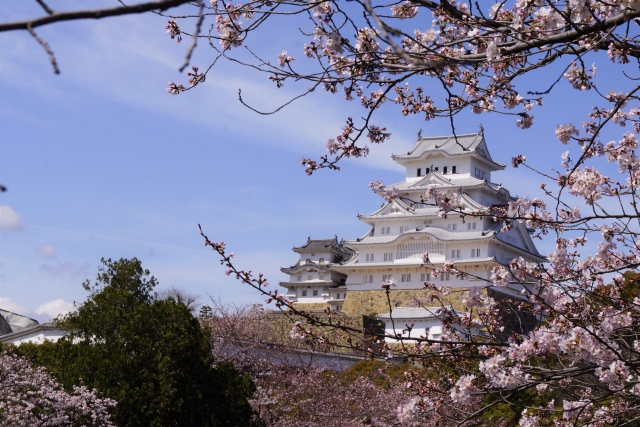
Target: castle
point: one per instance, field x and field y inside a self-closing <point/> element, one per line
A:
<point x="347" y="275"/>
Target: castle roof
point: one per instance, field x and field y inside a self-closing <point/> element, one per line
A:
<point x="428" y="231"/>
<point x="38" y="327"/>
<point x="408" y="313"/>
<point x="440" y="180"/>
<point x="451" y="146"/>
<point x="13" y="322"/>
<point x="321" y="245"/>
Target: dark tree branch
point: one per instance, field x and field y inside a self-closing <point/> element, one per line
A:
<point x="89" y="14"/>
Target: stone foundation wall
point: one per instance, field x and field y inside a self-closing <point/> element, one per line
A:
<point x="373" y="302"/>
<point x="311" y="306"/>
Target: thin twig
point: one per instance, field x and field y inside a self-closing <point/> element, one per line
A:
<point x="45" y="7"/>
<point x="194" y="41"/>
<point x="45" y="45"/>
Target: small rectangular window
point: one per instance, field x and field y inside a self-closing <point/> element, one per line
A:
<point x="403" y="278"/>
<point x="444" y="170"/>
<point x="321" y="276"/>
<point x="458" y="253"/>
<point x="408" y="277"/>
<point x="304" y="293"/>
<point x="371" y="258"/>
<point x="419" y="172"/>
<point x="447" y="276"/>
<point x="436" y="169"/>
<point x="367" y="257"/>
<point x="453" y="169"/>
<point x="388" y="230"/>
<point x="401" y="230"/>
<point x="338" y="296"/>
<point x="315" y="293"/>
<point x="299" y="278"/>
<point x="384" y="277"/>
<point x="370" y="278"/>
<point x="454" y="227"/>
<point x="423" y="277"/>
<point x="426" y="171"/>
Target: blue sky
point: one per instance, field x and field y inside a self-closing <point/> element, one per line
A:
<point x="101" y="162"/>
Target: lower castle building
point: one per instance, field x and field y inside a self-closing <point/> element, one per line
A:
<point x="346" y="275"/>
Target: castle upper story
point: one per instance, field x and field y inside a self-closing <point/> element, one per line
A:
<point x="455" y="156"/>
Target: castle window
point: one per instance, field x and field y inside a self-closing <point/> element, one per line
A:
<point x="370" y="278"/>
<point x="425" y="276"/>
<point x="304" y="293"/>
<point x="419" y="172"/>
<point x="308" y="261"/>
<point x="453" y="169"/>
<point x="321" y="261"/>
<point x="321" y="276"/>
<point x="471" y="226"/>
<point x="338" y="296"/>
<point x="315" y="293"/>
<point x="426" y="171"/>
<point x="310" y="277"/>
<point x="455" y="253"/>
<point x="475" y="253"/>
<point x="452" y="227"/>
<point x="388" y="256"/>
<point x="299" y="278"/>
<point x="444" y="170"/>
<point x="436" y="169"/>
<point x="406" y="278"/>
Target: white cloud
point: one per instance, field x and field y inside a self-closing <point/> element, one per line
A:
<point x="54" y="308"/>
<point x="46" y="251"/>
<point x="7" y="304"/>
<point x="9" y="219"/>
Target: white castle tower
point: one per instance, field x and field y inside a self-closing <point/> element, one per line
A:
<point x="313" y="283"/>
<point x="400" y="234"/>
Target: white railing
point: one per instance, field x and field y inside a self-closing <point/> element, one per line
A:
<point x="416" y="250"/>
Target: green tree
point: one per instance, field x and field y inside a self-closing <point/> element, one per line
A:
<point x="149" y="354"/>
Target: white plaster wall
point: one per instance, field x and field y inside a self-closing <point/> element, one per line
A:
<point x="38" y="337"/>
<point x="429" y="328"/>
<point x="315" y="257"/>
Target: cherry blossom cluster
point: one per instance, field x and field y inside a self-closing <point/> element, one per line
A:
<point x="30" y="396"/>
